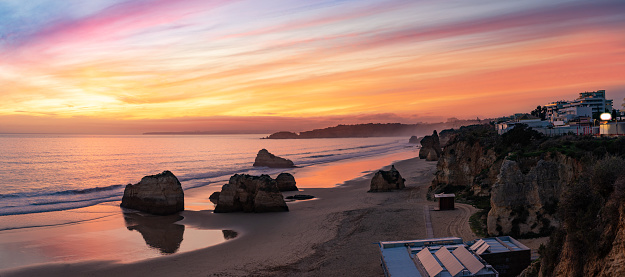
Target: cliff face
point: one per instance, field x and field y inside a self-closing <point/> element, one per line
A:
<point x="525" y="194"/>
<point x="571" y="188"/>
<point x="465" y="164"/>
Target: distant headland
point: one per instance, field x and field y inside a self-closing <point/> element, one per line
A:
<point x="371" y="130"/>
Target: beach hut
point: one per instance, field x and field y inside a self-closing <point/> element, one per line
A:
<point x="445" y="201"/>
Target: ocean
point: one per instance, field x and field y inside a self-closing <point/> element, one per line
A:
<point x="43" y="173"/>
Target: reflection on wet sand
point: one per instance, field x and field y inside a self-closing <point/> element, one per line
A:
<point x="159" y="232"/>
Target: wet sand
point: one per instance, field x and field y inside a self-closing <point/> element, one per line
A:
<point x="332" y="235"/>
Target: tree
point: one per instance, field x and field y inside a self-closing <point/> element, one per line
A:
<point x="540" y="112"/>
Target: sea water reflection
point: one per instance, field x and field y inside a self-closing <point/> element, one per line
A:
<point x="120" y="237"/>
<point x="164" y="234"/>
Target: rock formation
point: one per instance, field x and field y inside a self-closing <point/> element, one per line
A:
<point x="283" y="135"/>
<point x="431" y="156"/>
<point x="300" y="197"/>
<point x="387" y="180"/>
<point x="286" y="182"/>
<point x="159" y="194"/>
<point x="467" y="164"/>
<point x="525" y="203"/>
<point x="414" y="139"/>
<point x="430" y="144"/>
<point x="248" y="193"/>
<point x="214" y="198"/>
<point x="264" y="158"/>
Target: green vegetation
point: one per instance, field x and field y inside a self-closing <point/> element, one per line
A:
<point x="477" y="221"/>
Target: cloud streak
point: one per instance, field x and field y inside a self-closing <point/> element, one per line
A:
<point x="157" y="59"/>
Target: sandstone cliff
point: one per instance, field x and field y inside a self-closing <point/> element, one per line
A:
<point x="469" y="164"/>
<point x="524" y="203"/>
<point x="571" y="187"/>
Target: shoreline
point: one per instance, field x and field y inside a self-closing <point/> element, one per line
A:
<point x="313" y="233"/>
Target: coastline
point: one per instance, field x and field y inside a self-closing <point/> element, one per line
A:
<point x="332" y="234"/>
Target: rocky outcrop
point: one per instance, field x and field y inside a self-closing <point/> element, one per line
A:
<point x="414" y="139"/>
<point x="286" y="182"/>
<point x="387" y="180"/>
<point x="214" y="198"/>
<point x="264" y="158"/>
<point x="300" y="197"/>
<point x="246" y="193"/>
<point x="159" y="194"/>
<point x="430" y="144"/>
<point x="466" y="164"/>
<point x="525" y="203"/>
<point x="283" y="135"/>
<point x="431" y="156"/>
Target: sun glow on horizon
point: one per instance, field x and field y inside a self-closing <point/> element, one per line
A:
<point x="121" y="60"/>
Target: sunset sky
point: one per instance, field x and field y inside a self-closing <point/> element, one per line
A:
<point x="114" y="66"/>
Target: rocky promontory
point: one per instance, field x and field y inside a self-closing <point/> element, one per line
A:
<point x="571" y="188"/>
<point x="247" y="193"/>
<point x="159" y="194"/>
<point x="264" y="158"/>
<point x="387" y="181"/>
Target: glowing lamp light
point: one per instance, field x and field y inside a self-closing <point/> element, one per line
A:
<point x="606" y="116"/>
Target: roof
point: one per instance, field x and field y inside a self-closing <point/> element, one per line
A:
<point x="527" y="117"/>
<point x="497" y="245"/>
<point x="432" y="257"/>
<point x="398" y="262"/>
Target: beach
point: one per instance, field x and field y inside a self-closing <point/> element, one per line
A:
<point x="334" y="234"/>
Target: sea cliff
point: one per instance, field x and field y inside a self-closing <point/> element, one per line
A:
<point x="571" y="188"/>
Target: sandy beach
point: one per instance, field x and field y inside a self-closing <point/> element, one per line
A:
<point x="332" y="235"/>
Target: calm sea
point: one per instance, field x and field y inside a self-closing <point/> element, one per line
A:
<point x="40" y="173"/>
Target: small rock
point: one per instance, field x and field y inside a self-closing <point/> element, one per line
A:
<point x="264" y="158"/>
<point x="300" y="197"/>
<point x="286" y="182"/>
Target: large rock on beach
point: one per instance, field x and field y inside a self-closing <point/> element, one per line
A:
<point x="264" y="158"/>
<point x="414" y="139"/>
<point x="286" y="182"/>
<point x="387" y="180"/>
<point x="247" y="193"/>
<point x="430" y="144"/>
<point x="159" y="194"/>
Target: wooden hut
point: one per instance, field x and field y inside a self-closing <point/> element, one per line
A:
<point x="445" y="201"/>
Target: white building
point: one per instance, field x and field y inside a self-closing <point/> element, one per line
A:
<point x="527" y="119"/>
<point x="587" y="104"/>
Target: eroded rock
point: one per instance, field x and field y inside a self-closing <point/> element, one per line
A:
<point x="387" y="180"/>
<point x="159" y="194"/>
<point x="430" y="144"/>
<point x="247" y="193"/>
<point x="286" y="182"/>
<point x="264" y="158"/>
